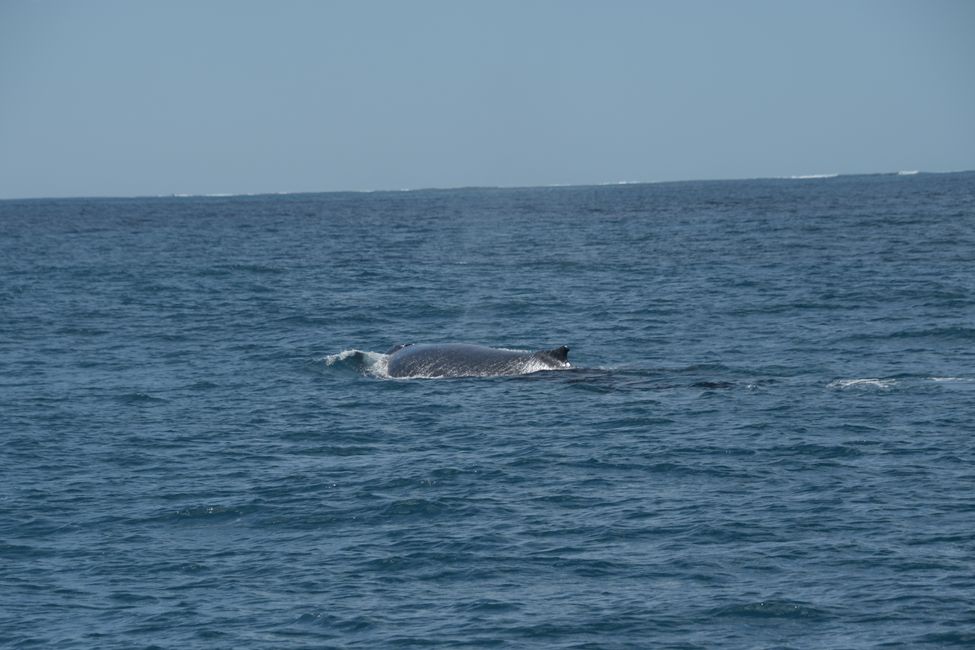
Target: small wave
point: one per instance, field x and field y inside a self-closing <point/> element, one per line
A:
<point x="247" y="268"/>
<point x="867" y="382"/>
<point x="209" y="514"/>
<point x="773" y="609"/>
<point x="139" y="398"/>
<point x="202" y="385"/>
<point x="910" y="172"/>
<point x="956" y="332"/>
<point x="419" y="507"/>
<point x="806" y="177"/>
<point x="200" y="514"/>
<point x="819" y="451"/>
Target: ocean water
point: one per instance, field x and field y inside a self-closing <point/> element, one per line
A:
<point x="766" y="438"/>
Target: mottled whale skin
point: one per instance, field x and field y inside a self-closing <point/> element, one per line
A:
<point x="466" y="360"/>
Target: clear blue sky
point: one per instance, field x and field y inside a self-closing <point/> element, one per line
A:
<point x="159" y="97"/>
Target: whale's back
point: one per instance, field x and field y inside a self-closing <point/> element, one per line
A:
<point x="466" y="360"/>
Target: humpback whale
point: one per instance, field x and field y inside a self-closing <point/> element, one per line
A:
<point x="465" y="360"/>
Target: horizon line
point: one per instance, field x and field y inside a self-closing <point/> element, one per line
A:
<point x="180" y="195"/>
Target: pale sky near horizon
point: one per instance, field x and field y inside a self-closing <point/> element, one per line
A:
<point x="118" y="98"/>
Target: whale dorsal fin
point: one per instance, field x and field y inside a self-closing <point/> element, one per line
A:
<point x="559" y="354"/>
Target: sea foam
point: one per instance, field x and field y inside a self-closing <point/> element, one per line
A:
<point x="867" y="382"/>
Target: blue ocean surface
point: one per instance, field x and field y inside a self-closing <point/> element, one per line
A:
<point x="766" y="438"/>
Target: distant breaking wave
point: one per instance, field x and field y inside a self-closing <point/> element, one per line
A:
<point x="803" y="177"/>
